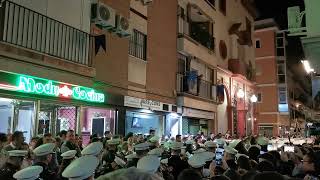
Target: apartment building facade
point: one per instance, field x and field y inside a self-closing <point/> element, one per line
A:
<point x="271" y="78"/>
<point x="216" y="60"/>
<point x="72" y="65"/>
<point x="120" y="66"/>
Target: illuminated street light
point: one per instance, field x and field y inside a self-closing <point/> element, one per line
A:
<point x="240" y="93"/>
<point x="307" y="66"/>
<point x="253" y="98"/>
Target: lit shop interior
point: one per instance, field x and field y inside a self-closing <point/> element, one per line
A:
<point x="140" y="121"/>
<point x="41" y="116"/>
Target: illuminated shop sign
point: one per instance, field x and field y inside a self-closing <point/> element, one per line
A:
<point x="40" y="86"/>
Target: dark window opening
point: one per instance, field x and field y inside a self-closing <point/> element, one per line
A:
<point x="138" y="45"/>
<point x="258" y="44"/>
<point x="223" y="6"/>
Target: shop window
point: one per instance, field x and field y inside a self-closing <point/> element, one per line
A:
<point x="67" y="117"/>
<point x="54" y="118"/>
<point x="141" y="123"/>
<point x="17" y="115"/>
<point x="97" y="121"/>
<point x="138" y="45"/>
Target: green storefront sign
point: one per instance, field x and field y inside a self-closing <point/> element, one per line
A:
<point x="45" y="87"/>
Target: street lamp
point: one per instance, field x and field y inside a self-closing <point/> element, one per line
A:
<point x="254" y="98"/>
<point x="240" y="93"/>
<point x="307" y="66"/>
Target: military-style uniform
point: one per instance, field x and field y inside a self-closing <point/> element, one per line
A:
<point x="6" y="173"/>
<point x="67" y="145"/>
<point x="46" y="173"/>
<point x="177" y="164"/>
<point x="133" y="162"/>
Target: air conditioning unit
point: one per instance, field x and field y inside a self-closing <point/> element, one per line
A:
<point x="122" y="26"/>
<point x="103" y="16"/>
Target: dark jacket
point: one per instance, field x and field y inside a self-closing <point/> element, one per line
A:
<point x="46" y="173"/>
<point x="67" y="145"/>
<point x="7" y="171"/>
<point x="177" y="165"/>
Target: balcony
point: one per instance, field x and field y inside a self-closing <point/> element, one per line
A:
<point x="203" y="89"/>
<point x="22" y="27"/>
<point x="195" y="35"/>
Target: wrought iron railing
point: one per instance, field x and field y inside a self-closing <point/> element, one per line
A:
<point x="29" y="29"/>
<point x="212" y="3"/>
<point x="196" y="87"/>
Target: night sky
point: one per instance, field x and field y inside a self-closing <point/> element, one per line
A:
<point x="277" y="9"/>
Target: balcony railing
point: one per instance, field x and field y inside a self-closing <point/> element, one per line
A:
<point x="196" y="87"/>
<point x="212" y="3"/>
<point x="23" y="27"/>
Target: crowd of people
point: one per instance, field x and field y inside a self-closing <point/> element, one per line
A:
<point x="144" y="157"/>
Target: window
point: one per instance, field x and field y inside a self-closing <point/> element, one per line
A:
<point x="258" y="44"/>
<point x="281" y="73"/>
<point x="282" y="95"/>
<point x="259" y="97"/>
<point x="281" y="69"/>
<point x="280" y="42"/>
<point x="182" y="64"/>
<point x="223" y="6"/>
<point x="280" y="51"/>
<point x="138" y="45"/>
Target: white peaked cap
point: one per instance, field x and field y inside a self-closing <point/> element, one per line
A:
<point x="154" y="139"/>
<point x="262" y="141"/>
<point x="16" y="153"/>
<point x="234" y="143"/>
<point x="176" y="145"/>
<point x="189" y="141"/>
<point x="220" y="141"/>
<point x="29" y="173"/>
<point x="149" y="164"/>
<point x="141" y="146"/>
<point x="69" y="154"/>
<point x="93" y="149"/>
<point x="113" y="141"/>
<point x="199" y="151"/>
<point x="210" y="144"/>
<point x="208" y="156"/>
<point x="230" y="150"/>
<point x="81" y="168"/>
<point x="156" y="152"/>
<point x="44" y="149"/>
<point x="196" y="161"/>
